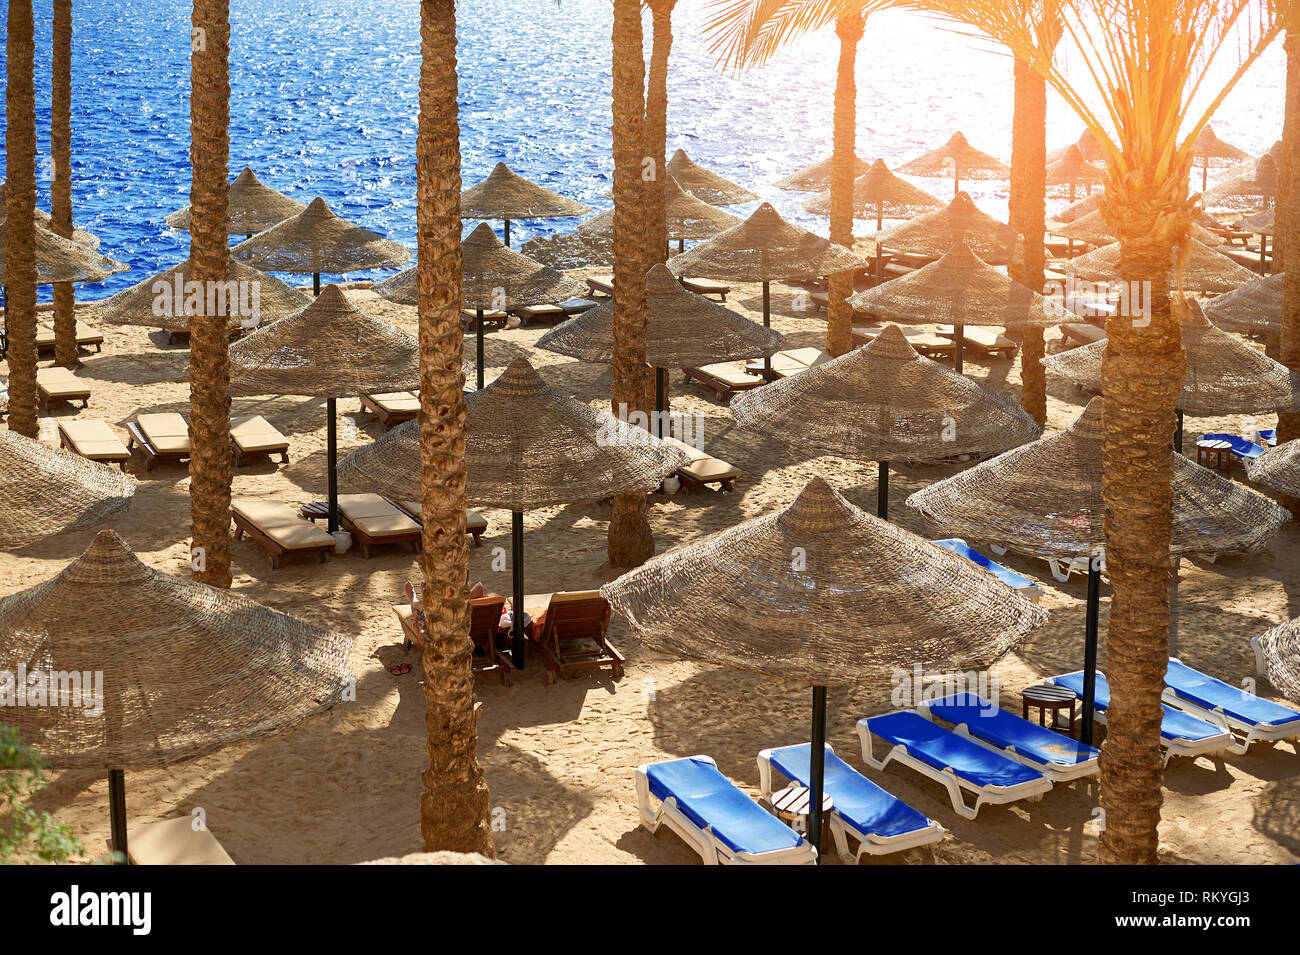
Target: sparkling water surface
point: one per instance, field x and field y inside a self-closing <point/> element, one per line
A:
<point x="324" y="102"/>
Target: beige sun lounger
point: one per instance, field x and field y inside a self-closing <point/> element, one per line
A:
<point x="786" y="366"/>
<point x="86" y="337"/>
<point x="1082" y="333"/>
<point x="160" y="437"/>
<point x="254" y="437"/>
<point x="93" y="440"/>
<point x="59" y="384"/>
<point x="475" y="523"/>
<point x="983" y="341"/>
<point x="392" y="407"/>
<point x="723" y="379"/>
<point x="277" y="527"/>
<point x="704" y="469"/>
<point x="929" y="345"/>
<point x="491" y="316"/>
<point x="372" y="519"/>
<point x="175" y="842"/>
<point x="571" y="636"/>
<point x="551" y="312"/>
<point x="604" y="285"/>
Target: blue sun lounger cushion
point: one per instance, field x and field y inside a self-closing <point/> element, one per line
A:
<point x="1229" y="707"/>
<point x="1015" y="581"/>
<point x="1237" y="445"/>
<point x="1035" y="745"/>
<point x="712" y="801"/>
<point x="1181" y="733"/>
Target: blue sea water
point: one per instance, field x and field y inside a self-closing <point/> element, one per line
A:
<point x="324" y="102"/>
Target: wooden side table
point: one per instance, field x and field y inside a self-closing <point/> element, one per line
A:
<point x="1048" y="698"/>
<point x="1213" y="453"/>
<point x="791" y="806"/>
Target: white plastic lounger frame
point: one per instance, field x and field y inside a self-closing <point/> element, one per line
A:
<point x="1061" y="569"/>
<point x="1243" y="733"/>
<point x="711" y="850"/>
<point x="1260" y="668"/>
<point x="1056" y="772"/>
<point x="868" y="843"/>
<point x="1031" y="790"/>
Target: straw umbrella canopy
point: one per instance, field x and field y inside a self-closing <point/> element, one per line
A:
<point x="935" y="233"/>
<point x="1211" y="151"/>
<point x="1254" y="309"/>
<point x="817" y="177"/>
<point x="143" y="304"/>
<point x="1224" y="374"/>
<point x="60" y="260"/>
<point x="883" y="402"/>
<point x="1278" y="468"/>
<point x="704" y="184"/>
<point x="765" y="248"/>
<point x="1087" y="145"/>
<point x="1093" y="229"/>
<point x="189" y="668"/>
<point x="316" y="241"/>
<point x="683" y="330"/>
<point x="959" y="289"/>
<point x="506" y="195"/>
<point x="879" y="194"/>
<point x="1279" y="649"/>
<point x="1077" y="210"/>
<point x="1045" y="500"/>
<point x="1072" y="170"/>
<point x="45" y="221"/>
<point x="254" y="206"/>
<point x="960" y="158"/>
<point x="330" y="349"/>
<point x="1194" y="267"/>
<point x="867" y="599"/>
<point x="491" y="276"/>
<point x="1255" y="182"/>
<point x="46" y="491"/>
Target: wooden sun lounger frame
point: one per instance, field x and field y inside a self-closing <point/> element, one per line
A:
<point x="66" y="443"/>
<point x="477" y="532"/>
<point x="386" y="418"/>
<point x="274" y="550"/>
<point x="365" y="541"/>
<point x="550" y="645"/>
<point x="1005" y="349"/>
<point x="44" y="397"/>
<point x="96" y="340"/>
<point x="136" y="438"/>
<point x="716" y="385"/>
<point x="482" y="630"/>
<point x="242" y="457"/>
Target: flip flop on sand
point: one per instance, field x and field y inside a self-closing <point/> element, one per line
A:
<point x="397" y="669"/>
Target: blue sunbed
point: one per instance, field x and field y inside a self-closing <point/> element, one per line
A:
<point x="1237" y="445"/>
<point x="1052" y="754"/>
<point x="715" y="818"/>
<point x="954" y="761"/>
<point x="1229" y="707"/>
<point x="881" y="822"/>
<point x="1267" y="437"/>
<point x="1181" y="734"/>
<point x="1017" y="582"/>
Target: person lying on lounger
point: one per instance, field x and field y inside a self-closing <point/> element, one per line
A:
<point x="477" y="590"/>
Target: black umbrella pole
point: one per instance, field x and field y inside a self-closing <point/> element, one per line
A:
<point x="817" y="769"/>
<point x="767" y="323"/>
<point x="659" y="402"/>
<point x="117" y="814"/>
<point x="507" y="231"/>
<point x="681" y="245"/>
<point x="517" y="566"/>
<point x="333" y="455"/>
<point x="1090" y="650"/>
<point x="959" y="348"/>
<point x="315" y="283"/>
<point x="882" y="490"/>
<point x="1178" y="433"/>
<point x="478" y="345"/>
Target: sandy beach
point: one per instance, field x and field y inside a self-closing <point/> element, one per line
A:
<point x="344" y="787"/>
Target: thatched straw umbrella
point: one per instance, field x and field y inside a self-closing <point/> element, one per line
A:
<point x="1279" y="650"/>
<point x="60" y="260"/>
<point x="1255" y="182"/>
<point x="960" y="158"/>
<point x="817" y="177"/>
<point x="1224" y="374"/>
<point x="160" y="301"/>
<point x="935" y="233"/>
<point x="316" y="241"/>
<point x="1211" y="151"/>
<point x="1077" y="210"/>
<point x="330" y="349"/>
<point x="1278" y="468"/>
<point x="254" y="206"/>
<point x="184" y="668"/>
<point x="882" y="402"/>
<point x="1045" y="500"/>
<point x="1087" y="146"/>
<point x="1254" y="309"/>
<point x="527" y="446"/>
<point x="865" y="599"/>
<point x="45" y="221"/>
<point x="491" y="276"/>
<point x="506" y="195"/>
<point x="683" y="330"/>
<point x="959" y="289"/>
<point x="1093" y="229"/>
<point x="764" y="248"/>
<point x="46" y="491"/>
<point x="705" y="185"/>
<point x="879" y="194"/>
<point x="1073" y="170"/>
<point x="1195" y="267"/>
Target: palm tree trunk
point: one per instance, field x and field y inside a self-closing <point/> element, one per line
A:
<point x="65" y="299"/>
<point x="456" y="806"/>
<point x="1142" y="371"/>
<point x="630" y="539"/>
<point x="211" y="467"/>
<point x="1028" y="214"/>
<point x="20" y="200"/>
<point x="839" y="322"/>
<point x="656" y="130"/>
<point x="1287" y="241"/>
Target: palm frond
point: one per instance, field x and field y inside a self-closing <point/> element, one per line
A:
<point x="749" y="32"/>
